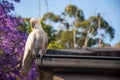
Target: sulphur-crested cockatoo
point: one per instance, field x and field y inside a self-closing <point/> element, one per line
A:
<point x="35" y="45"/>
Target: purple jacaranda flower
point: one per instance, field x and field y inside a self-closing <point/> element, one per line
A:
<point x="12" y="42"/>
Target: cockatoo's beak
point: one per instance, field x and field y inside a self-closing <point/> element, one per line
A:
<point x="33" y="24"/>
<point x="33" y="21"/>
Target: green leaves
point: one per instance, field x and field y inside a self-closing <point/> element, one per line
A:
<point x="51" y="17"/>
<point x="73" y="11"/>
<point x="72" y="21"/>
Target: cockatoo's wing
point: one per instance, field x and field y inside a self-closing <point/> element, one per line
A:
<point x="35" y="44"/>
<point x="41" y="39"/>
<point x="28" y="54"/>
<point x="45" y="45"/>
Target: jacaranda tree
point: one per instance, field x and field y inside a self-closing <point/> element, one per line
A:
<point x="12" y="42"/>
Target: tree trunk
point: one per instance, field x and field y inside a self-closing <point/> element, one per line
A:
<point x="87" y="37"/>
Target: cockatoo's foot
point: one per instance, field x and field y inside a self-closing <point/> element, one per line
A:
<point x="38" y="55"/>
<point x="41" y="56"/>
<point x="34" y="55"/>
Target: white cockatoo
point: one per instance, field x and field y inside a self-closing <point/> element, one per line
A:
<point x="36" y="44"/>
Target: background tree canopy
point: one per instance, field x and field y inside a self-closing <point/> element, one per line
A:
<point x="74" y="29"/>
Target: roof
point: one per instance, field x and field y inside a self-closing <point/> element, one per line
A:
<point x="113" y="52"/>
<point x="107" y="59"/>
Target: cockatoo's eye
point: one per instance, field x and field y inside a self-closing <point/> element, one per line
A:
<point x="33" y="24"/>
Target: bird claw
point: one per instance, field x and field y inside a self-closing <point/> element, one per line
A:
<point x="36" y="56"/>
<point x="33" y="56"/>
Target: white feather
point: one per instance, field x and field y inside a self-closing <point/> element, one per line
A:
<point x="36" y="44"/>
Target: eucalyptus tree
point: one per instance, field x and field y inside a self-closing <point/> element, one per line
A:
<point x="71" y="16"/>
<point x="92" y="31"/>
<point x="74" y="31"/>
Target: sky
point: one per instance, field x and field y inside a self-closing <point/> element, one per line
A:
<point x="109" y="10"/>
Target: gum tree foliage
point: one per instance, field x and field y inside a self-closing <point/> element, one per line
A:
<point x="71" y="15"/>
<point x="86" y="30"/>
<point x="91" y="32"/>
<point x="12" y="42"/>
<point x="87" y="33"/>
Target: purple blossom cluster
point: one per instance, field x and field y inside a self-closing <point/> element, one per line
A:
<point x="12" y="42"/>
